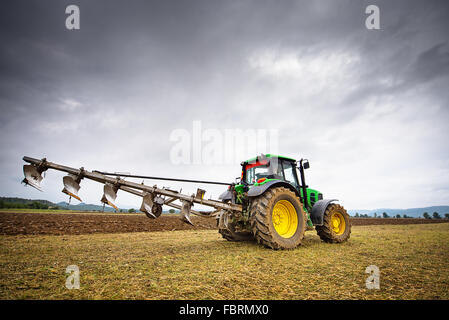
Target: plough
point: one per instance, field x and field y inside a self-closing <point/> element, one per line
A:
<point x="270" y="204"/>
<point x="153" y="198"/>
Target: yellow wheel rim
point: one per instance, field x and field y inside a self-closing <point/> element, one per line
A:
<point x="338" y="223"/>
<point x="285" y="219"/>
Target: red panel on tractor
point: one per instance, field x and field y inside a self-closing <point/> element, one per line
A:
<point x="256" y="164"/>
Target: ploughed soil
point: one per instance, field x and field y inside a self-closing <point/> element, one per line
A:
<point x="66" y="223"/>
<point x="85" y="223"/>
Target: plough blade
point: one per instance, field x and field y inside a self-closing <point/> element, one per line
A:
<point x="71" y="186"/>
<point x="185" y="212"/>
<point x="109" y="195"/>
<point x="222" y="220"/>
<point x="33" y="177"/>
<point x="147" y="205"/>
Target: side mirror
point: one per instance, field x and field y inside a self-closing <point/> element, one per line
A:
<point x="306" y="164"/>
<point x="238" y="180"/>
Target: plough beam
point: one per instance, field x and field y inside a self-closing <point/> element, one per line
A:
<point x="132" y="187"/>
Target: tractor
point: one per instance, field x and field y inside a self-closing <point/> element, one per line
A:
<point x="268" y="203"/>
<point x="278" y="207"/>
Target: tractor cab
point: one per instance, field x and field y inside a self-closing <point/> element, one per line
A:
<point x="260" y="173"/>
<point x="267" y="168"/>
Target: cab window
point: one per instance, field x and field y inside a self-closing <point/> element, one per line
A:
<point x="257" y="170"/>
<point x="289" y="173"/>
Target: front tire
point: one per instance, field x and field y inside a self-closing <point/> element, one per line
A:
<point x="336" y="226"/>
<point x="278" y="220"/>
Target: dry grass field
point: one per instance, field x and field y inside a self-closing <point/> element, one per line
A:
<point x="198" y="264"/>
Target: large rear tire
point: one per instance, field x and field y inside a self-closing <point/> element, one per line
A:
<point x="278" y="220"/>
<point x="336" y="226"/>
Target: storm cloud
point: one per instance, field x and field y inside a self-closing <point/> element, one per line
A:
<point x="368" y="108"/>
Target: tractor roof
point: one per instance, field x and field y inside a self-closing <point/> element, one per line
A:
<point x="272" y="156"/>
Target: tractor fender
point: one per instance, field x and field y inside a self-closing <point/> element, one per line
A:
<point x="227" y="195"/>
<point x="318" y="210"/>
<point x="258" y="190"/>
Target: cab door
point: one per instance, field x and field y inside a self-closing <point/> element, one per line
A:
<point x="289" y="171"/>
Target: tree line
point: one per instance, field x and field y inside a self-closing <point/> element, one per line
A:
<point x="29" y="205"/>
<point x="426" y="215"/>
<point x="435" y="215"/>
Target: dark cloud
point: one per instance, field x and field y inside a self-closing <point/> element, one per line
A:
<point x="109" y="95"/>
<point x="432" y="63"/>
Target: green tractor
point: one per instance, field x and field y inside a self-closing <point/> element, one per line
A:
<point x="278" y="207"/>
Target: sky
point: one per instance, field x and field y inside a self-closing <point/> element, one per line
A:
<point x="159" y="87"/>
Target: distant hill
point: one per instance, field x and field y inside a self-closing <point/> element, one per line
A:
<point x="412" y="212"/>
<point x="10" y="202"/>
<point x="85" y="207"/>
<point x="25" y="201"/>
<point x="92" y="207"/>
<point x="19" y="203"/>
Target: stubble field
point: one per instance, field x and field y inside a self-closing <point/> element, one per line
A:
<point x="198" y="264"/>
